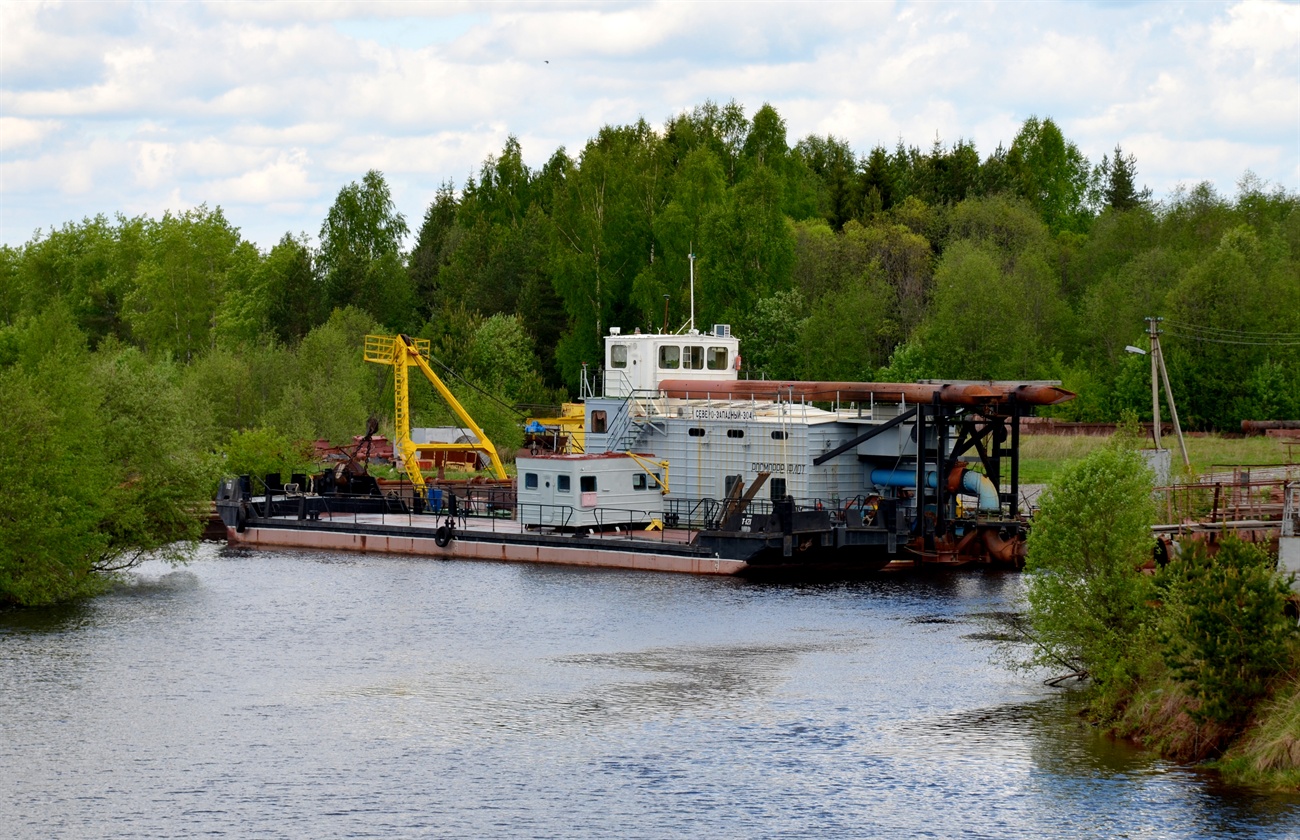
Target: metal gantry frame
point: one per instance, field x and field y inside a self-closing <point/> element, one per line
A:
<point x="1000" y="423"/>
<point x="402" y="352"/>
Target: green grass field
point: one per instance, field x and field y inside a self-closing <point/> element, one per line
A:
<point x="1043" y="456"/>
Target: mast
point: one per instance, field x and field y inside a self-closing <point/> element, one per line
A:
<point x="692" y="258"/>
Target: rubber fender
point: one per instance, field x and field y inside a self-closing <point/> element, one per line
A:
<point x="241" y="520"/>
<point x="442" y="536"/>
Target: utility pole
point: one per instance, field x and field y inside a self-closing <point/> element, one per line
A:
<point x="1155" y="380"/>
<point x="1158" y="361"/>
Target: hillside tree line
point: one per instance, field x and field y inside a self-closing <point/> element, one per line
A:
<point x="141" y="357"/>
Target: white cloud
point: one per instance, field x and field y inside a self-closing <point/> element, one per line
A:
<point x="154" y="163"/>
<point x="16" y="132"/>
<point x="271" y="107"/>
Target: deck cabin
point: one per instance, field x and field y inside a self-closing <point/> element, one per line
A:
<point x="589" y="491"/>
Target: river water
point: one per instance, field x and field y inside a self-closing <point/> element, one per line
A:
<point x="313" y="695"/>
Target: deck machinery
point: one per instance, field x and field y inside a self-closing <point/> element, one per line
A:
<point x="840" y="476"/>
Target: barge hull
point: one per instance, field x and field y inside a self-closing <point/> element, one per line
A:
<point x="550" y="553"/>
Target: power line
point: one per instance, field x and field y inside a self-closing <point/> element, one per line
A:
<point x="1221" y="331"/>
<point x="1190" y="336"/>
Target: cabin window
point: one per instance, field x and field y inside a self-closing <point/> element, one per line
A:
<point x="717" y="358"/>
<point x="530" y="481"/>
<point x="695" y="431"/>
<point x="735" y="433"/>
<point x="562" y="483"/>
<point x="694" y="358"/>
<point x="670" y="358"/>
<point x="780" y="435"/>
<point x="731" y="481"/>
<point x="618" y="355"/>
<point x="587" y="483"/>
<point x="598" y="422"/>
<point x="778" y="488"/>
<point x="639" y="481"/>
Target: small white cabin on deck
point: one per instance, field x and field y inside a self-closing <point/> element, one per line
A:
<point x="638" y="362"/>
<point x="585" y="491"/>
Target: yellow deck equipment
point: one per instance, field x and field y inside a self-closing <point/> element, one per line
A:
<point x="402" y="351"/>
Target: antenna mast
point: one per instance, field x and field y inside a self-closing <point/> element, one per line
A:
<point x="692" y="257"/>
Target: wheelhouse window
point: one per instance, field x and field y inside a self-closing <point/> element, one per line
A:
<point x="618" y="356"/>
<point x="562" y="483"/>
<point x="587" y="483"/>
<point x="530" y="481"/>
<point x="716" y="358"/>
<point x="693" y="358"/>
<point x="639" y="481"/>
<point x="670" y="357"/>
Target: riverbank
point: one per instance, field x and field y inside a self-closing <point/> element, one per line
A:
<point x="1263" y="753"/>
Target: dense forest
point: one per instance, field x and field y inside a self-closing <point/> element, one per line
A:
<point x="139" y="357"/>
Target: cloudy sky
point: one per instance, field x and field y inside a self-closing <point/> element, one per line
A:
<point x="267" y="109"/>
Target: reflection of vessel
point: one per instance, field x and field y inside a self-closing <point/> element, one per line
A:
<point x="727" y="475"/>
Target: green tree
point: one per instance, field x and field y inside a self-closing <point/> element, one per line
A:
<point x="190" y="261"/>
<point x="698" y="190"/>
<point x="603" y="221"/>
<point x="332" y="391"/>
<point x="360" y="252"/>
<point x="1117" y="179"/>
<point x="1052" y="174"/>
<point x="1225" y="631"/>
<point x="987" y="324"/>
<point x="102" y="465"/>
<point x="849" y="335"/>
<point x="833" y="162"/>
<point x="748" y="250"/>
<point x="433" y="246"/>
<point x="772" y="337"/>
<point x="1087" y="598"/>
<point x="295" y="299"/>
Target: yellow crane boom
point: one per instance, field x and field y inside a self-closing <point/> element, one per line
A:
<point x="402" y="352"/>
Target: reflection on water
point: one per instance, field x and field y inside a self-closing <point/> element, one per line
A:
<point x="312" y="695"/>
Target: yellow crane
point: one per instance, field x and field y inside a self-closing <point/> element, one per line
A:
<point x="402" y="352"/>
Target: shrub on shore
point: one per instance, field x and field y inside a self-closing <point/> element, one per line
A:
<point x="1198" y="661"/>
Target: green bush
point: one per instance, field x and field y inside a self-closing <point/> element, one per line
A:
<point x="261" y="451"/>
<point x="1224" y="631"/>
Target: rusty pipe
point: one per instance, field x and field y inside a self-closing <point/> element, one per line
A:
<point x="1258" y="427"/>
<point x="965" y="393"/>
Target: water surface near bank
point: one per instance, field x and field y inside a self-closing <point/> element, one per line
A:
<point x="295" y="694"/>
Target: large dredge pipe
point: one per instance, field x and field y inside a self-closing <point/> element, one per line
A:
<point x="1259" y="427"/>
<point x="961" y="393"/>
<point x="960" y="480"/>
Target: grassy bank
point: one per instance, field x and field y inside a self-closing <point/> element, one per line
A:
<point x="1163" y="714"/>
<point x="1043" y="457"/>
